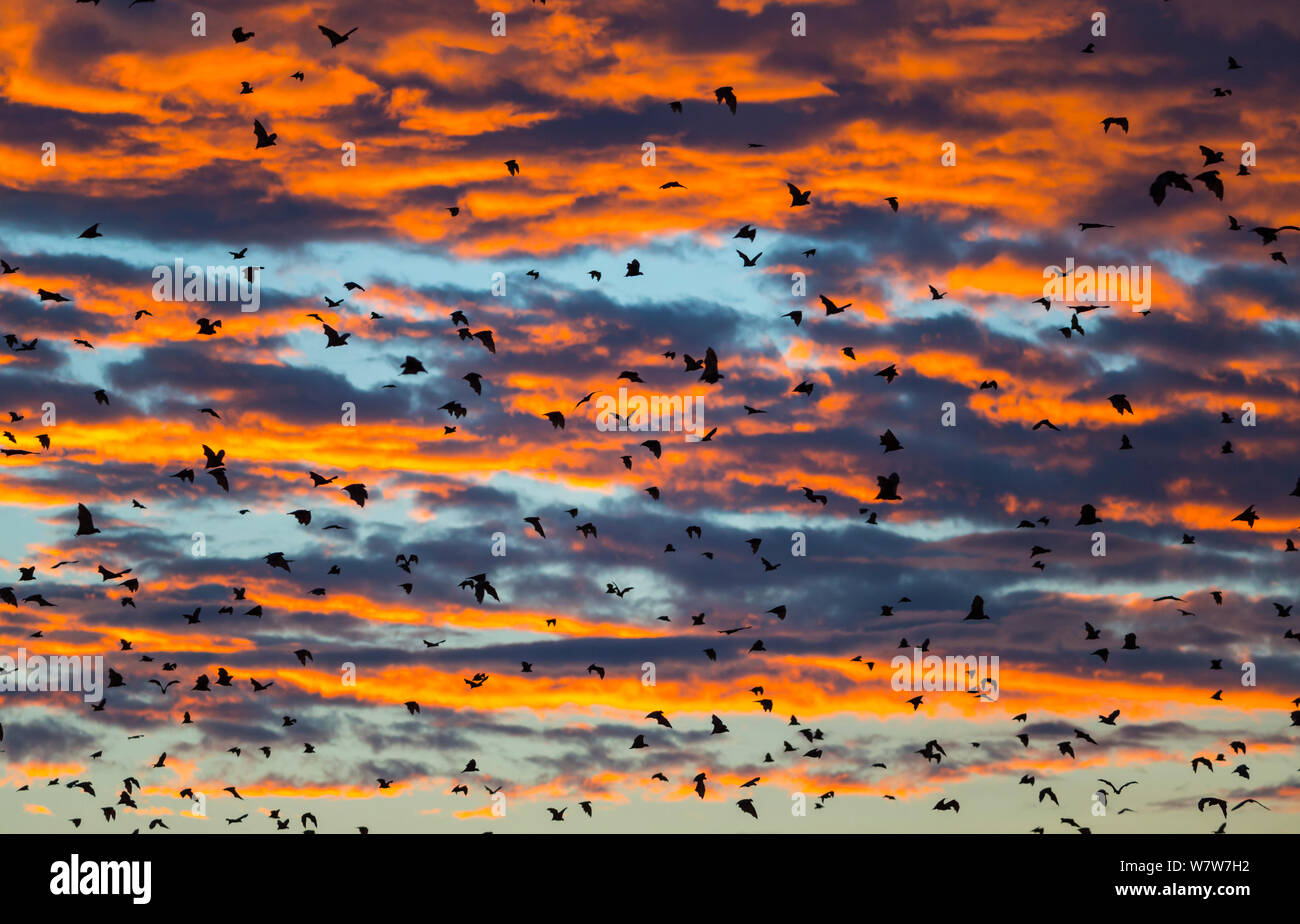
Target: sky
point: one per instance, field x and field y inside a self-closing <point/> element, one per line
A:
<point x="983" y="119"/>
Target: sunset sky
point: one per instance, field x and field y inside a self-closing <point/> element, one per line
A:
<point x="122" y="116"/>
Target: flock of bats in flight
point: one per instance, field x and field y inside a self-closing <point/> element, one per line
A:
<point x="480" y="586"/>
